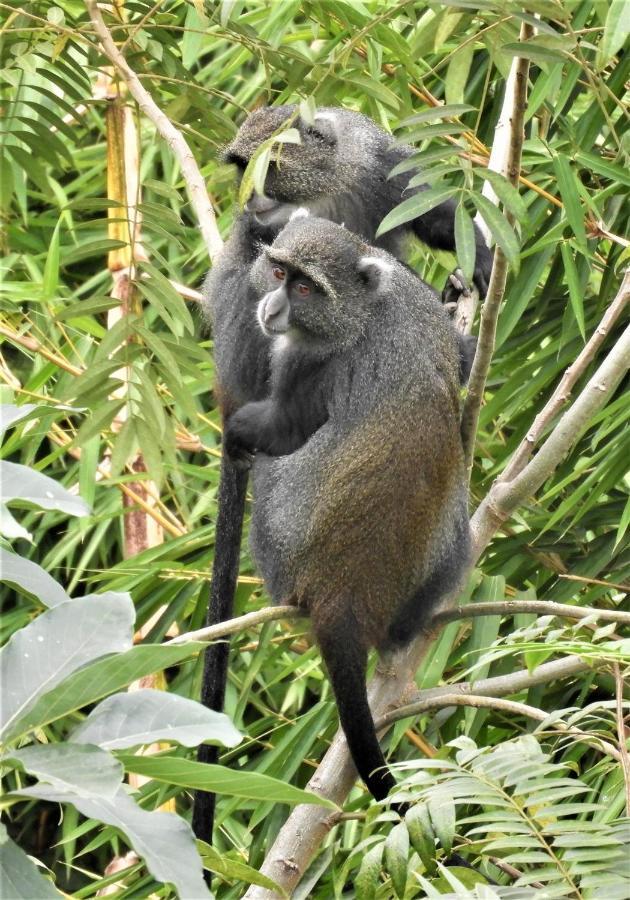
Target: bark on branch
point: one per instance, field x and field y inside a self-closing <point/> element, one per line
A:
<point x="176" y="141"/>
<point x="513" y="117"/>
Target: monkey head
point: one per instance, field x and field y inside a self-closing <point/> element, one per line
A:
<point x="304" y="173"/>
<point x="320" y="284"/>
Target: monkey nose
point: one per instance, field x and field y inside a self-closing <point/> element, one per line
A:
<point x="274" y="313"/>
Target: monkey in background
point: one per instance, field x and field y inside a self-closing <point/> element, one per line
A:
<point x="364" y="523"/>
<point x="339" y="171"/>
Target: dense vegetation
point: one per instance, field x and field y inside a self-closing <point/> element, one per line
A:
<point x="108" y="387"/>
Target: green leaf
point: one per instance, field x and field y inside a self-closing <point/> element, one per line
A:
<point x="465" y="246"/>
<point x="420" y="828"/>
<point x="450" y="110"/>
<point x="50" y="281"/>
<point x="61" y="640"/>
<point x="414" y="207"/>
<point x="31" y="578"/>
<point x="457" y="74"/>
<point x="616" y="31"/>
<point x="146" y="716"/>
<point x="443" y="820"/>
<point x="575" y="290"/>
<point x="233" y="869"/>
<point x="396" y="857"/>
<point x="162" y="839"/>
<point x="19" y="876"/>
<point x="507" y="193"/>
<point x="200" y="776"/>
<point x="501" y="230"/>
<point x="570" y="198"/>
<point x="591" y="161"/>
<point x="85" y="770"/>
<point x="368" y="877"/>
<point x="538" y="53"/>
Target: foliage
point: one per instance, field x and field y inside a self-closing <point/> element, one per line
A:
<point x="106" y="388"/>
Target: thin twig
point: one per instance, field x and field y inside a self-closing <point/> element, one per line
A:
<point x="240" y="623"/>
<point x="509" y="707"/>
<point x="176" y="141"/>
<point x="540" y="607"/>
<point x="624" y="757"/>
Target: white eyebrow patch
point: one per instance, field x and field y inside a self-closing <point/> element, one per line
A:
<point x="383" y="265"/>
<point x="300" y="213"/>
<point x="328" y="116"/>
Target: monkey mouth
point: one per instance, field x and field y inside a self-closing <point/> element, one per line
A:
<point x="273" y="332"/>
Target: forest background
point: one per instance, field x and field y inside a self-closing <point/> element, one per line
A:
<point x="516" y="752"/>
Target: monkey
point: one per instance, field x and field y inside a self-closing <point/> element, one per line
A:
<point x="360" y="513"/>
<point x="339" y="171"/>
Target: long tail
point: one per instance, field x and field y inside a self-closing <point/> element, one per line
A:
<point x="346" y="661"/>
<point x="229" y="526"/>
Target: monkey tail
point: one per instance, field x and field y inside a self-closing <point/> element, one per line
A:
<point x="346" y="660"/>
<point x="229" y="525"/>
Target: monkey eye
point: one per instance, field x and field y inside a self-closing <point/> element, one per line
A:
<point x="278" y="272"/>
<point x="303" y="289"/>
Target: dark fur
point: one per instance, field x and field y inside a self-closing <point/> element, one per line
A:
<point x="366" y="525"/>
<point x="339" y="171"/>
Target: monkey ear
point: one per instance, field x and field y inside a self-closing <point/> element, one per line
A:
<point x="324" y="126"/>
<point x="374" y="271"/>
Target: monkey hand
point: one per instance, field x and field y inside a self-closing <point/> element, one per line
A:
<point x="239" y="437"/>
<point x="455" y="287"/>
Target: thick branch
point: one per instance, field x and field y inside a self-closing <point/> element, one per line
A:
<point x="513" y="112"/>
<point x="176" y="141"/>
<point x="503" y="497"/>
<point x="562" y="393"/>
<point x="540" y="607"/>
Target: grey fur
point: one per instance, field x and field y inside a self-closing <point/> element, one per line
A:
<point x="366" y="525"/>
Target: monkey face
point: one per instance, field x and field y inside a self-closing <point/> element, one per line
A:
<point x="297" y="173"/>
<point x="319" y="286"/>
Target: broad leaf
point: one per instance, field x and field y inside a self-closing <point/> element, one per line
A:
<point x="31" y="578"/>
<point x="162" y="839"/>
<point x="101" y="678"/>
<point x="19" y="877"/>
<point x="10" y="414"/>
<point x="57" y="643"/>
<point x="23" y="483"/>
<point x="85" y="770"/>
<point x="147" y="715"/>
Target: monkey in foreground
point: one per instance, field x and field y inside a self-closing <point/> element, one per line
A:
<point x="360" y="515"/>
<point x="339" y="171"/>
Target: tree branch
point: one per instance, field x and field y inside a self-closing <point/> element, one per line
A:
<point x="510" y="707"/>
<point x="562" y="393"/>
<point x="504" y="497"/>
<point x="510" y="150"/>
<point x="540" y="607"/>
<point x="176" y="141"/>
<point x="240" y="623"/>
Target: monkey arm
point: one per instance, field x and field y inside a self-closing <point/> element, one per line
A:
<point x="437" y="229"/>
<point x="264" y="426"/>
